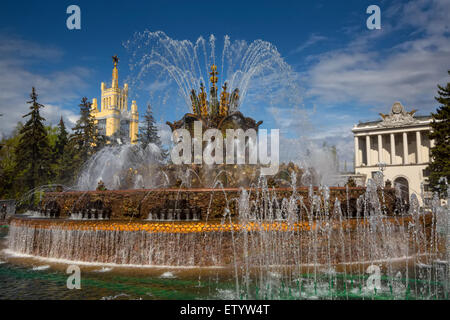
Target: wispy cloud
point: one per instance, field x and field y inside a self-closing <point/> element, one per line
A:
<point x="364" y="76"/>
<point x="15" y="48"/>
<point x="312" y="40"/>
<point x="55" y="89"/>
<point x="408" y="71"/>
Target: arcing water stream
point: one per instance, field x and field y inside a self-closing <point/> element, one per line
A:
<point x="256" y="68"/>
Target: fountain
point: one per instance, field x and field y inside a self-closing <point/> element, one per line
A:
<point x="275" y="240"/>
<point x="289" y="248"/>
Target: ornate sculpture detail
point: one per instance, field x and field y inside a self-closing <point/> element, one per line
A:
<point x="213" y="74"/>
<point x="203" y="102"/>
<point x="215" y="107"/>
<point x="397" y="117"/>
<point x="224" y="101"/>
<point x="219" y="112"/>
<point x="115" y="60"/>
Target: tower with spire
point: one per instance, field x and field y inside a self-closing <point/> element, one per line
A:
<point x="114" y="118"/>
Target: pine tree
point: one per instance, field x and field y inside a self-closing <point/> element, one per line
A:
<point x="8" y="164"/>
<point x="82" y="144"/>
<point x="440" y="153"/>
<point x="33" y="151"/>
<point x="58" y="152"/>
<point x="70" y="163"/>
<point x="61" y="140"/>
<point x="148" y="133"/>
<point x="86" y="138"/>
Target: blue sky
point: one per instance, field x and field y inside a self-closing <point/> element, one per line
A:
<point x="344" y="72"/>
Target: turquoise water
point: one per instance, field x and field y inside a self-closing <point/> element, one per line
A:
<point x="22" y="278"/>
<point x="30" y="278"/>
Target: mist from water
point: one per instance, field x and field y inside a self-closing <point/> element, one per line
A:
<point x="124" y="166"/>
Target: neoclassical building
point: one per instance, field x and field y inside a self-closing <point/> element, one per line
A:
<point x="114" y="116"/>
<point x="400" y="143"/>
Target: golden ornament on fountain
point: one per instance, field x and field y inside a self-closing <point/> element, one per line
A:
<point x="202" y="101"/>
<point x="213" y="74"/>
<point x="224" y="101"/>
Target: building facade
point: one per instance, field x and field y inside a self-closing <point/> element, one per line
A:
<point x="113" y="118"/>
<point x="398" y="145"/>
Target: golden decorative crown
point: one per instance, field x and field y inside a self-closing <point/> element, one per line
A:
<point x="214" y="107"/>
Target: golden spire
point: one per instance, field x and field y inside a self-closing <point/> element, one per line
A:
<point x="115" y="74"/>
<point x="224" y="101"/>
<point x="202" y="101"/>
<point x="213" y="74"/>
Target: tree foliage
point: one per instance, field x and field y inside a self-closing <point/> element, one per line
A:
<point x="149" y="133"/>
<point x="8" y="186"/>
<point x="33" y="152"/>
<point x="86" y="138"/>
<point x="440" y="154"/>
<point x="61" y="173"/>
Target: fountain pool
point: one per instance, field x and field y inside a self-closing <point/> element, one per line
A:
<point x="263" y="252"/>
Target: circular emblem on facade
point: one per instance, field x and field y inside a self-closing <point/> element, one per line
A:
<point x="397" y="108"/>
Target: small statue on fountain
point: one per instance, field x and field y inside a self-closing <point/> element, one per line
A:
<point x="351" y="183"/>
<point x="101" y="186"/>
<point x="388" y="184"/>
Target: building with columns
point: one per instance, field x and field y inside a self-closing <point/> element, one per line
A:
<point x="400" y="143"/>
<point x="114" y="118"/>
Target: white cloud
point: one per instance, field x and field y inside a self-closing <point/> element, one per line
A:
<point x="55" y="89"/>
<point x="408" y="71"/>
<point x="430" y="16"/>
<point x="361" y="74"/>
<point x="53" y="113"/>
<point x="14" y="47"/>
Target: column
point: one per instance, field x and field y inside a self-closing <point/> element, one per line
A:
<point x="418" y="147"/>
<point x="392" y="148"/>
<point x="368" y="150"/>
<point x="357" y="163"/>
<point x="405" y="148"/>
<point x="380" y="148"/>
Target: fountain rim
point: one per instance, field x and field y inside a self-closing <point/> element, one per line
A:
<point x="228" y="189"/>
<point x="200" y="226"/>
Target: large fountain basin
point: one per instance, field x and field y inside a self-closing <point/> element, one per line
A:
<point x="218" y="243"/>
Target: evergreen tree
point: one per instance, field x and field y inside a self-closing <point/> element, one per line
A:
<point x="148" y="133"/>
<point x="440" y="153"/>
<point x="61" y="139"/>
<point x="58" y="153"/>
<point x="86" y="139"/>
<point x="33" y="151"/>
<point x="8" y="187"/>
<point x="70" y="163"/>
